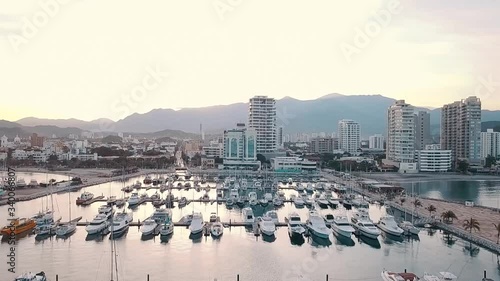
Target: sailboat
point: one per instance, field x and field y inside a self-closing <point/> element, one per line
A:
<point x="408" y="227"/>
<point x="67" y="228"/>
<point x="46" y="225"/>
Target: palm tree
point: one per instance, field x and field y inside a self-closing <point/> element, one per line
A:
<point x="403" y="200"/>
<point x="448" y="216"/>
<point x="471" y="224"/>
<point x="417" y="203"/>
<point x="431" y="209"/>
<point x="497" y="227"/>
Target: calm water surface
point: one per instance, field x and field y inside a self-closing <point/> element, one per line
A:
<point x="486" y="193"/>
<point x="237" y="252"/>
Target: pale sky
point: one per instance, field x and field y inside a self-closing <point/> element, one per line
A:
<point x="92" y="59"/>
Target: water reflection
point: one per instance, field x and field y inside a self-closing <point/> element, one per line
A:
<point x="269" y="238"/>
<point x="390" y="239"/>
<point x="319" y="242"/>
<point x="342" y="240"/>
<point x="165" y="238"/>
<point x="297" y="240"/>
<point x="449" y="239"/>
<point x="374" y="243"/>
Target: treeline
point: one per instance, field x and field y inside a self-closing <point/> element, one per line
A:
<point x="116" y="163"/>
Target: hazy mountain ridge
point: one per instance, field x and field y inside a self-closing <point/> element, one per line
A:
<point x="307" y="116"/>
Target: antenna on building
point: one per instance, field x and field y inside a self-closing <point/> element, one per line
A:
<point x="201" y="132"/>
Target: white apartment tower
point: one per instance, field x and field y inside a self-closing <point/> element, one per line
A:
<point x="376" y="142"/>
<point x="490" y="144"/>
<point x="349" y="136"/>
<point x="279" y="136"/>
<point x="401" y="133"/>
<point x="262" y="118"/>
<point x="461" y="130"/>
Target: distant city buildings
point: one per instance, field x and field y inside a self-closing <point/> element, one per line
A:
<point x="349" y="136"/>
<point x="262" y="118"/>
<point x="376" y="141"/>
<point x="490" y="144"/>
<point x="324" y="145"/>
<point x="293" y="165"/>
<point x="461" y="130"/>
<point x="422" y="130"/>
<point x="401" y="137"/>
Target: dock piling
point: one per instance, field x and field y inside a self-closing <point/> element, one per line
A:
<point x="237" y="277"/>
<point x="57" y="277"/>
<point x="327" y="277"/>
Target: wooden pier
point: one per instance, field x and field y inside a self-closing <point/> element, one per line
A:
<point x="183" y="224"/>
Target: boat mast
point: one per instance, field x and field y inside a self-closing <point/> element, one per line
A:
<point x="111" y="237"/>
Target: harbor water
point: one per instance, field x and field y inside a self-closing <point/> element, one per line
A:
<point x="484" y="193"/>
<point x="238" y="251"/>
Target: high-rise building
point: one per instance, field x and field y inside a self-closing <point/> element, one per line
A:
<point x="349" y="136"/>
<point x="490" y="144"/>
<point x="262" y="118"/>
<point x="279" y="136"/>
<point x="422" y="130"/>
<point x="461" y="130"/>
<point x="401" y="136"/>
<point x="376" y="142"/>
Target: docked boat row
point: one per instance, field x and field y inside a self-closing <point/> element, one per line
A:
<point x="409" y="276"/>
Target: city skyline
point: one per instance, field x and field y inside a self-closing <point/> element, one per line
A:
<point x="215" y="61"/>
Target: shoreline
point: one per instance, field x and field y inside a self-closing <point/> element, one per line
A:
<point x="423" y="177"/>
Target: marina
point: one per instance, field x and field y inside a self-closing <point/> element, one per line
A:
<point x="239" y="231"/>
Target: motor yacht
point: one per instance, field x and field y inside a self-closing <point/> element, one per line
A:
<point x="230" y="202"/>
<point x="322" y="201"/>
<point x="216" y="229"/>
<point x="342" y="226"/>
<point x="393" y="276"/>
<point x="389" y="225"/>
<point x="248" y="216"/>
<point x="32" y="277"/>
<point x="20" y="183"/>
<point x="361" y="213"/>
<point x="309" y="188"/>
<point x="329" y="218"/>
<point x="98" y="224"/>
<point x="366" y="228"/>
<point x="268" y="197"/>
<point x="167" y="228"/>
<point x="129" y="188"/>
<point x="66" y="229"/>
<point x="84" y="197"/>
<point x="196" y="225"/>
<point x="317" y="225"/>
<point x="409" y="228"/>
<point x="295" y="227"/>
<point x="334" y="202"/>
<point x="160" y="215"/>
<point x="155" y="196"/>
<point x="252" y="198"/>
<point x="299" y="202"/>
<point x="300" y="187"/>
<point x="205" y="197"/>
<point x="33" y="183"/>
<point x="148" y="227"/>
<point x="277" y="202"/>
<point x="187" y="219"/>
<point x="147" y="180"/>
<point x="134" y="199"/>
<point x="273" y="215"/>
<point x="120" y="223"/>
<point x="105" y="210"/>
<point x="267" y="226"/>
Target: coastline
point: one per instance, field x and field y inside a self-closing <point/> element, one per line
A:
<point x="424" y="177"/>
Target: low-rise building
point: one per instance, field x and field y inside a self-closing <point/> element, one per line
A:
<point x="433" y="159"/>
<point x="293" y="165"/>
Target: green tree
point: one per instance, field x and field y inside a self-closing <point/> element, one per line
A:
<point x="471" y="224"/>
<point x="490" y="161"/>
<point x="463" y="166"/>
<point x="417" y="203"/>
<point x="431" y="209"/>
<point x="448" y="216"/>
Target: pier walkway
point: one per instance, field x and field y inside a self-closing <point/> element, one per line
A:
<point x="486" y="237"/>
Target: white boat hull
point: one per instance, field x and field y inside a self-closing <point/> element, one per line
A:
<point x="320" y="234"/>
<point x="342" y="232"/>
<point x="148" y="230"/>
<point x="97" y="228"/>
<point x="395" y="232"/>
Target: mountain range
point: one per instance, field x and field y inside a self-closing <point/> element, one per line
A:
<point x="296" y="116"/>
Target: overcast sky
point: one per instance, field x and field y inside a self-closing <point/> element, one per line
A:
<point x="92" y="59"/>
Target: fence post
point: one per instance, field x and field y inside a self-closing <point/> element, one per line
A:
<point x="237" y="277"/>
<point x="148" y="277"/>
<point x="57" y="277"/>
<point x="327" y="277"/>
